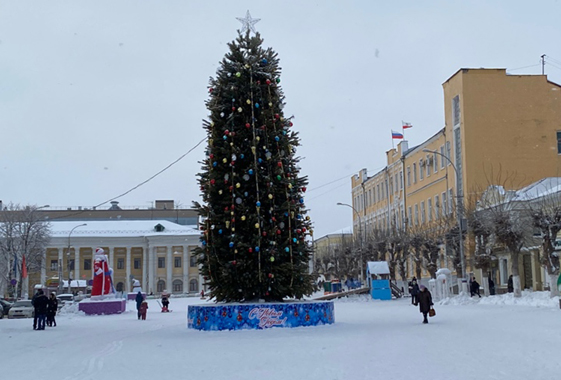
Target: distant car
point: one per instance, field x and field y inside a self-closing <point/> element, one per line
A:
<point x="65" y="299"/>
<point x="21" y="309"/>
<point x="4" y="307"/>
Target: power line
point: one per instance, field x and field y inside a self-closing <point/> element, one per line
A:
<point x="525" y="67"/>
<point x="155" y="175"/>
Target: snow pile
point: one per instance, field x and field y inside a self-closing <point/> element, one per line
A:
<point x="529" y="298"/>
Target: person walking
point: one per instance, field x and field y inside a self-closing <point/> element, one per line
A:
<point x="52" y="307"/>
<point x="142" y="310"/>
<point x="425" y="302"/>
<point x="139" y="299"/>
<point x="165" y="302"/>
<point x="510" y="284"/>
<point x="40" y="306"/>
<point x="474" y="287"/>
<point x="414" y="291"/>
<point x="491" y="286"/>
<point x="35" y="316"/>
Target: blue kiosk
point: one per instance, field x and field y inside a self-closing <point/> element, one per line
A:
<point x="378" y="274"/>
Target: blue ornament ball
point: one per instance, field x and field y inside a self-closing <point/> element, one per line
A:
<point x="256" y="105"/>
<point x="256" y="249"/>
<point x="277" y="138"/>
<point x="258" y="204"/>
<point x="287" y="249"/>
<point x="231" y="244"/>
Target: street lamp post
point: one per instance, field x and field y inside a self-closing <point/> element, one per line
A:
<point x="360" y="237"/>
<point x="68" y="255"/>
<point x="459" y="207"/>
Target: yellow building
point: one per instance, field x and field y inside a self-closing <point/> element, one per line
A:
<point x="499" y="129"/>
<point x="158" y="253"/>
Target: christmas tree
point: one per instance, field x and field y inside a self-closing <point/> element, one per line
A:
<point x="254" y="225"/>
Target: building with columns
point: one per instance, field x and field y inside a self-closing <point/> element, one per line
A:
<point x="158" y="253"/>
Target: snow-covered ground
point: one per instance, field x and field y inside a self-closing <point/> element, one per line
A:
<point x="498" y="337"/>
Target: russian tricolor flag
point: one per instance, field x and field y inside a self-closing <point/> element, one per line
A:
<point x="396" y="135"/>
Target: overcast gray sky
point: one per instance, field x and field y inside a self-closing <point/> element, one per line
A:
<point x="98" y="96"/>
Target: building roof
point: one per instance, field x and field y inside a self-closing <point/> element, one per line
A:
<point x="120" y="228"/>
<point x="539" y="189"/>
<point x="378" y="267"/>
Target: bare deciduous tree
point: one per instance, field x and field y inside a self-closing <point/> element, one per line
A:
<point x="22" y="234"/>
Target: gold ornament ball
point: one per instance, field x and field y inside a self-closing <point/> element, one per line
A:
<point x="256" y="225"/>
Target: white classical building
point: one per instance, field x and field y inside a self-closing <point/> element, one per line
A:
<point x="158" y="253"/>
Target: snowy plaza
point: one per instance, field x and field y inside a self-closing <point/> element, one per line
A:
<point x="496" y="337"/>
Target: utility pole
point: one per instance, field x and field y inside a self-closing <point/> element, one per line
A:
<point x="543" y="64"/>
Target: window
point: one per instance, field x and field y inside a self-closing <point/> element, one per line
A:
<point x="396" y="181"/>
<point x="161" y="286"/>
<point x="429" y="209"/>
<point x="193" y="262"/>
<point x="442" y="159"/>
<point x="87" y="264"/>
<point x="120" y="263"/>
<point x="422" y="212"/>
<point x="386" y="195"/>
<point x="450" y="200"/>
<point x="435" y="162"/>
<point x="444" y="205"/>
<point x="193" y="286"/>
<point x="456" y="109"/>
<point x="161" y="262"/>
<point x="378" y="192"/>
<point x="400" y="180"/>
<point x="448" y="152"/>
<point x="558" y="142"/>
<point x="120" y="286"/>
<point x="416" y="214"/>
<point x="408" y="176"/>
<point x="436" y="207"/>
<point x="503" y="271"/>
<point x="429" y="165"/>
<point x="391" y="185"/>
<point x="410" y="215"/>
<point x="415" y="173"/>
<point x="177" y="262"/>
<point x="54" y="265"/>
<point x="137" y="263"/>
<point x="177" y="286"/>
<point x="421" y="171"/>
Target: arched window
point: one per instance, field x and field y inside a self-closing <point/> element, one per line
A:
<point x="120" y="286"/>
<point x="161" y="286"/>
<point x="177" y="286"/>
<point x="193" y="286"/>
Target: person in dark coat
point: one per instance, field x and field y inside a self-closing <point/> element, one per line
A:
<point x="491" y="287"/>
<point x="34" y="314"/>
<point x="40" y="305"/>
<point x="425" y="302"/>
<point x="139" y="298"/>
<point x="510" y="285"/>
<point x="52" y="307"/>
<point x="414" y="291"/>
<point x="474" y="287"/>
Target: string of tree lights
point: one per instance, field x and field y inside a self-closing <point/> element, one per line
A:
<point x="255" y="224"/>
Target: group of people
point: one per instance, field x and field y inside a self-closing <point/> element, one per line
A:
<point x="142" y="305"/>
<point x="421" y="296"/>
<point x="45" y="309"/>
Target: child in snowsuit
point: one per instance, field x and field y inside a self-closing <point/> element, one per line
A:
<point x="143" y="309"/>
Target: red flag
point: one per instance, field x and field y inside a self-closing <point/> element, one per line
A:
<point x="23" y="268"/>
<point x="407" y="125"/>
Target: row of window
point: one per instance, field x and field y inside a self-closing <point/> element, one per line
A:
<point x="177" y="286"/>
<point x="425" y="167"/>
<point x="137" y="263"/>
<point x="430" y="211"/>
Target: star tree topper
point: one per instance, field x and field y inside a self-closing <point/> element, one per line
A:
<point x="248" y="22"/>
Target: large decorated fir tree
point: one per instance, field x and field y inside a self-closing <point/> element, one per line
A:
<point x="255" y="226"/>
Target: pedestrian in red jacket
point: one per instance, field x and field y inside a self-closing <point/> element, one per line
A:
<point x="143" y="309"/>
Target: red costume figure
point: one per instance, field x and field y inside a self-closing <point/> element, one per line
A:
<point x="143" y="309"/>
<point x="102" y="283"/>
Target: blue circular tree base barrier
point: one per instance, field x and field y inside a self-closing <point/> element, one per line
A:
<point x="242" y="316"/>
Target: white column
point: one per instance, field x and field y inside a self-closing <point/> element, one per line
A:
<point x="186" y="266"/>
<point x="77" y="263"/>
<point x="128" y="269"/>
<point x="144" y="282"/>
<point x="169" y="267"/>
<point x="151" y="286"/>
